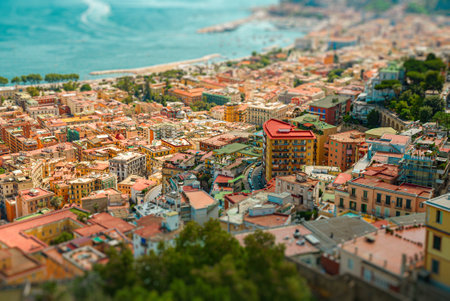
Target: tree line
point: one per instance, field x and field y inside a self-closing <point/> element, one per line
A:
<point x="35" y="78"/>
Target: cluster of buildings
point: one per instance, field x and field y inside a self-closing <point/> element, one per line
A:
<point x="84" y="171"/>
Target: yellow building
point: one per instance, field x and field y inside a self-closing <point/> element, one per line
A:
<point x="79" y="188"/>
<point x="286" y="149"/>
<point x="321" y="130"/>
<point x="437" y="248"/>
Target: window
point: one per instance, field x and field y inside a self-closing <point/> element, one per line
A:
<point x="408" y="204"/>
<point x="388" y="200"/>
<point x="353" y="192"/>
<point x="350" y="264"/>
<point x="365" y="194"/>
<point x="378" y="197"/>
<point x="352" y="205"/>
<point x="367" y="275"/>
<point x="439" y="216"/>
<point x="435" y="266"/>
<point x="341" y="202"/>
<point x="437" y="242"/>
<point x="397" y="213"/>
<point x="399" y="202"/>
<point x="364" y="208"/>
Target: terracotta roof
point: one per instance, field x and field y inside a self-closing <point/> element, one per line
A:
<point x="13" y="234"/>
<point x="108" y="222"/>
<point x="342" y="178"/>
<point x="387" y="249"/>
<point x="269" y="221"/>
<point x="291" y="246"/>
<point x="199" y="199"/>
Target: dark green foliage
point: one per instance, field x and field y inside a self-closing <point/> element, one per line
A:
<point x="373" y="119"/>
<point x="206" y="263"/>
<point x="425" y="114"/>
<point x="70" y="86"/>
<point x="63" y="237"/>
<point x="297" y="82"/>
<point x="334" y="74"/>
<point x="3" y="81"/>
<point x="33" y="91"/>
<point x="85" y="87"/>
<point x="55" y="77"/>
<point x="16" y="80"/>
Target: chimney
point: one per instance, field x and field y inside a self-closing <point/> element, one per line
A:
<point x="403" y="266"/>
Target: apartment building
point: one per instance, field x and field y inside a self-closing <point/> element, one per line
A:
<point x="286" y="149"/>
<point x="235" y="112"/>
<point x="258" y="113"/>
<point x="31" y="200"/>
<point x="437" y="245"/>
<point x="321" y="130"/>
<point x="304" y="191"/>
<point x="331" y="109"/>
<point x="188" y="96"/>
<point x="388" y="144"/>
<point x="375" y="197"/>
<point x="343" y="149"/>
<point x="129" y="163"/>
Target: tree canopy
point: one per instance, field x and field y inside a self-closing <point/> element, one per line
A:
<point x="205" y="263"/>
<point x="3" y="81"/>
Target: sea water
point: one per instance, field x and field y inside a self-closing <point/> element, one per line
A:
<point x="81" y="36"/>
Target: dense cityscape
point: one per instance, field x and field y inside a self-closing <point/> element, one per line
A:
<point x="318" y="171"/>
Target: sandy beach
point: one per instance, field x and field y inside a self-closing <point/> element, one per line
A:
<point x="157" y="68"/>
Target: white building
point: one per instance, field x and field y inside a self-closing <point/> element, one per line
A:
<point x="258" y="113"/>
<point x="126" y="164"/>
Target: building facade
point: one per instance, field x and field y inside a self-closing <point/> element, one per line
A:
<point x="286" y="149"/>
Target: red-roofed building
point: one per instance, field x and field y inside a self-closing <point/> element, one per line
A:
<point x="110" y="222"/>
<point x="286" y="148"/>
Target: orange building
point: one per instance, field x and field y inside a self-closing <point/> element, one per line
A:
<point x="187" y="96"/>
<point x="343" y="149"/>
<point x="376" y="197"/>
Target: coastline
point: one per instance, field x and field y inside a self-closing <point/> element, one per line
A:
<point x="157" y="68"/>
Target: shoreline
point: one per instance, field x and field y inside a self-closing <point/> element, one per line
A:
<point x="157" y="68"/>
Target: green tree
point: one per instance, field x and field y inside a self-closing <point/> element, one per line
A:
<point x="33" y="91"/>
<point x="425" y="114"/>
<point x="436" y="103"/>
<point x="434" y="81"/>
<point x="373" y="119"/>
<point x="85" y="87"/>
<point x="3" y="81"/>
<point x="415" y="77"/>
<point x="56" y="202"/>
<point x="16" y="80"/>
<point x="63" y="237"/>
<point x="50" y="291"/>
<point x="205" y="263"/>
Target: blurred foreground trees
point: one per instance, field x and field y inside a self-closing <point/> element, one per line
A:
<point x="205" y="263"/>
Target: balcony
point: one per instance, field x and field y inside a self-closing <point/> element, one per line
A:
<point x="364" y="199"/>
<point x="353" y="196"/>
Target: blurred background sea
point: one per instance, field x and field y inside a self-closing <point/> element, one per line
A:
<point x="81" y="36"/>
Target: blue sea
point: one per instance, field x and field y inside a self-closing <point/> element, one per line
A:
<point x="81" y="36"/>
